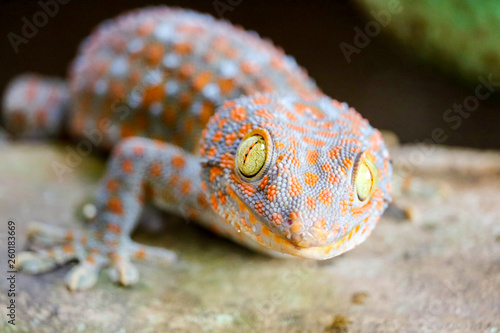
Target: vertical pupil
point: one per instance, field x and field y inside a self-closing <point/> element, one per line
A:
<point x="251" y="155"/>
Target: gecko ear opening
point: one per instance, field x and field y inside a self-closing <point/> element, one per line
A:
<point x="254" y="155"/>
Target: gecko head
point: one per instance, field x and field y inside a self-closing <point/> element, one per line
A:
<point x="304" y="177"/>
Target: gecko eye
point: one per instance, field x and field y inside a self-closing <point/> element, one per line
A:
<point x="366" y="177"/>
<point x="253" y="154"/>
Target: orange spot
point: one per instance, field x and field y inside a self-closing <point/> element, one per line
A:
<point x="226" y="86"/>
<point x="90" y="260"/>
<point x="310" y="202"/>
<point x="261" y="100"/>
<point x="297" y="128"/>
<point x="156" y="169"/>
<point x="155" y="54"/>
<point x="212" y="151"/>
<point x="345" y="228"/>
<point x="230" y="138"/>
<point x="213" y="201"/>
<point x="335" y="228"/>
<point x="263" y="182"/>
<point x="186" y="187"/>
<point x="115" y="205"/>
<point x="222" y="198"/>
<point x="127" y="166"/>
<point x="264" y="114"/>
<point x="114" y="228"/>
<point x="327" y="134"/>
<point x="303" y="108"/>
<point x="247" y="189"/>
<point x="153" y="94"/>
<point x="178" y="162"/>
<point x="332" y="179"/>
<point x="279" y="145"/>
<point x="334" y="152"/>
<point x="317" y="143"/>
<point x="202" y="200"/>
<point x="259" y="238"/>
<point x="227" y="161"/>
<point x="277" y="218"/>
<point x="265" y="231"/>
<point x="112" y="185"/>
<point x="357" y="212"/>
<point x="343" y="207"/>
<point x="295" y="187"/>
<point x="272" y="192"/>
<point x="238" y="114"/>
<point x="217" y="136"/>
<point x="183" y="48"/>
<point x="325" y="197"/>
<point x="259" y="207"/>
<point x="295" y="160"/>
<point x="201" y="80"/>
<point x="244" y="129"/>
<point x="311" y="178"/>
<point x="140" y="254"/>
<point x="249" y="68"/>
<point x="186" y="71"/>
<point x="291" y="116"/>
<point x="312" y="157"/>
<point x="327" y="167"/>
<point x="348" y="162"/>
<point x="146" y="28"/>
<point x="214" y="173"/>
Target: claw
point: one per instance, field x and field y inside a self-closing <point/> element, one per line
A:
<point x="124" y="273"/>
<point x="82" y="277"/>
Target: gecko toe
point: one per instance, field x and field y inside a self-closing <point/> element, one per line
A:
<point x="124" y="272"/>
<point x="34" y="263"/>
<point x="82" y="277"/>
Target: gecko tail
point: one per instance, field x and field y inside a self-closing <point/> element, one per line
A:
<point x="34" y="106"/>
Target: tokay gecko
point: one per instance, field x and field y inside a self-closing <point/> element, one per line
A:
<point x="205" y="120"/>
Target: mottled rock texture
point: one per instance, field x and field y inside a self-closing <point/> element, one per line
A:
<point x="439" y="272"/>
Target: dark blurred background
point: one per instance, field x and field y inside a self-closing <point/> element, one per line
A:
<point x="385" y="82"/>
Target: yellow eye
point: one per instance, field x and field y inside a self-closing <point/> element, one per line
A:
<point x="252" y="155"/>
<point x="367" y="178"/>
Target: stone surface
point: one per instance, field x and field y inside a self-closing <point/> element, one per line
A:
<point x="439" y="272"/>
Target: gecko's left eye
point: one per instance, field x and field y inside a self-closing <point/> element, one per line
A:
<point x="366" y="177"/>
<point x="253" y="155"/>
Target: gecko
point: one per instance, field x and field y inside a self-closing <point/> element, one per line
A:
<point x="205" y="120"/>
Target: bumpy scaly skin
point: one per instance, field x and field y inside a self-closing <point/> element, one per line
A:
<point x="175" y="78"/>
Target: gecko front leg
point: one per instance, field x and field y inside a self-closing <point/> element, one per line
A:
<point x="140" y="170"/>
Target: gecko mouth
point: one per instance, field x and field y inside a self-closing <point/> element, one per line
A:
<point x="257" y="230"/>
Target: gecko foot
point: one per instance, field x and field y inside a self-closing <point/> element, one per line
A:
<point x="92" y="256"/>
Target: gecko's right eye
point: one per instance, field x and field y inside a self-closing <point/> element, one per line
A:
<point x="253" y="155"/>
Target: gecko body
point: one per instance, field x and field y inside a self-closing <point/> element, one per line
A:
<point x="211" y="122"/>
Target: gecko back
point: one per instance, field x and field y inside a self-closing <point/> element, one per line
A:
<point x="156" y="72"/>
